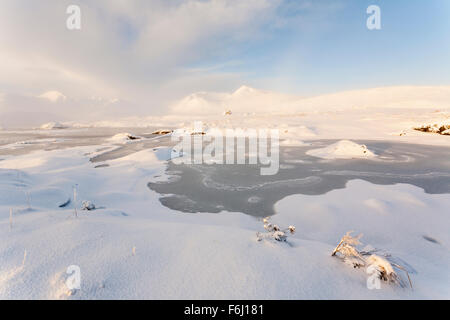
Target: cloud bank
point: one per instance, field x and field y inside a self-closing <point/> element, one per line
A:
<point x="130" y="57"/>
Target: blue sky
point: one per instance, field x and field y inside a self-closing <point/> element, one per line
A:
<point x="146" y="54"/>
<point x="335" y="51"/>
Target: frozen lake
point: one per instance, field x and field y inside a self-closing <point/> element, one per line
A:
<point x="241" y="188"/>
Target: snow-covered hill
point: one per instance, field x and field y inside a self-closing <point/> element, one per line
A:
<point x="250" y="100"/>
<point x="244" y="99"/>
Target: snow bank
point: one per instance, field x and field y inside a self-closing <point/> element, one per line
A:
<point x="23" y="144"/>
<point x="123" y="137"/>
<point x="293" y="143"/>
<point x="343" y="149"/>
<point x="399" y="230"/>
<point x="22" y="163"/>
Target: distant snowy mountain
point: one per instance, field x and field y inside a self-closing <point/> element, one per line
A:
<point x="384" y="97"/>
<point x="244" y="99"/>
<point x="53" y="125"/>
<point x="394" y="108"/>
<point x="251" y="100"/>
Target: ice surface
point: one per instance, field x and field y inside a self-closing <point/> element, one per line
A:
<point x="207" y="188"/>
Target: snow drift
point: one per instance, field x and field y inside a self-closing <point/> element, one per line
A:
<point x="343" y="149"/>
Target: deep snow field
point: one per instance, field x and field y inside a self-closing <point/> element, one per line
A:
<point x="134" y="247"/>
<point x="162" y="231"/>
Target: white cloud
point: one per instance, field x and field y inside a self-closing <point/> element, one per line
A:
<point x="53" y="96"/>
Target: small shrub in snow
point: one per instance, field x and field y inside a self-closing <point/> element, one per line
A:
<point x="346" y="249"/>
<point x="198" y="133"/>
<point x="274" y="232"/>
<point x="443" y="129"/>
<point x="87" y="205"/>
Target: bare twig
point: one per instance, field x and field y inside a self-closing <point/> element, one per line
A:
<point x="337" y="248"/>
<point x="28" y="199"/>
<point x="24" y="257"/>
<point x="75" y="200"/>
<point x="407" y="274"/>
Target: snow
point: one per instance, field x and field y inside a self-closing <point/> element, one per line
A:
<point x="124" y="137"/>
<point x="381" y="264"/>
<point x="293" y="142"/>
<point x="133" y="247"/>
<point x="22" y="163"/>
<point x="25" y="143"/>
<point x="244" y="99"/>
<point x="343" y="149"/>
<point x="388" y="113"/>
<point x="251" y="100"/>
<point x="400" y="230"/>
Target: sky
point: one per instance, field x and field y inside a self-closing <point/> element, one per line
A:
<point x="137" y="57"/>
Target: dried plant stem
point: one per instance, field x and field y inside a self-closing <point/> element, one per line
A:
<point x="407" y="274"/>
<point x="337" y="248"/>
<point x="75" y="200"/>
<point x="28" y="199"/>
<point x="24" y="257"/>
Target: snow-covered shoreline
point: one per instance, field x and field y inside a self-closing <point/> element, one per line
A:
<point x="385" y="113"/>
